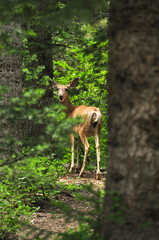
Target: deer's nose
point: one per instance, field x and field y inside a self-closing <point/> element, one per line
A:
<point x="61" y="97"/>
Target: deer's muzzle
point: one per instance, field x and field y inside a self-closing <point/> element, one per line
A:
<point x="61" y="97"/>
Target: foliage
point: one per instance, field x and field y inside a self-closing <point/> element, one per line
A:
<point x="12" y="207"/>
<point x="23" y="109"/>
<point x="36" y="170"/>
<point x="31" y="165"/>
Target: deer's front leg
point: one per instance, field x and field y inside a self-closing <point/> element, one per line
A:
<point x="72" y="152"/>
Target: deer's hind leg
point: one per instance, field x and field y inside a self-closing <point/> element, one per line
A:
<point x="97" y="139"/>
<point x="87" y="147"/>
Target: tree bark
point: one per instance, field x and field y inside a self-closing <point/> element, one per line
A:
<point x="133" y="125"/>
<point x="43" y="49"/>
<point x="10" y="76"/>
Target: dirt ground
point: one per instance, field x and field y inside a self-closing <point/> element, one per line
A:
<point x="55" y="223"/>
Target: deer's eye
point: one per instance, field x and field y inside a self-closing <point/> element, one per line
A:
<point x="66" y="89"/>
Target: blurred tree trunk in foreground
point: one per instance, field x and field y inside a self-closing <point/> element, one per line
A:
<point x="132" y="209"/>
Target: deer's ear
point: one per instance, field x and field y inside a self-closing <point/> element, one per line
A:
<point x="73" y="83"/>
<point x="54" y="83"/>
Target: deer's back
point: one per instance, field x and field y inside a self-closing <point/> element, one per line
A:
<point x="92" y="119"/>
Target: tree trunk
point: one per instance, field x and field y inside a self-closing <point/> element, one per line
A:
<point x="42" y="47"/>
<point x="133" y="162"/>
<point x="10" y="76"/>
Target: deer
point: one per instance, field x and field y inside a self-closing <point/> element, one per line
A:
<point x="91" y="125"/>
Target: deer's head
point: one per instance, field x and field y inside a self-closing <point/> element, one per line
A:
<point x="63" y="89"/>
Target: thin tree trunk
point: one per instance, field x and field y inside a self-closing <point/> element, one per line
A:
<point x="133" y="122"/>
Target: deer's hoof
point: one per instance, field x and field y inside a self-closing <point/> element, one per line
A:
<point x="98" y="176"/>
<point x="80" y="174"/>
<point x="73" y="170"/>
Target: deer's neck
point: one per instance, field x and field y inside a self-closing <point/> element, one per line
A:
<point x="69" y="106"/>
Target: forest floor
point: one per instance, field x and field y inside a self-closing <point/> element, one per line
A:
<point x="50" y="217"/>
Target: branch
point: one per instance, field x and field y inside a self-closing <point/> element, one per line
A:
<point x="60" y="45"/>
<point x="15" y="160"/>
<point x="40" y="44"/>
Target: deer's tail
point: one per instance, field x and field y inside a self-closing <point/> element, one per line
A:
<point x="95" y="118"/>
